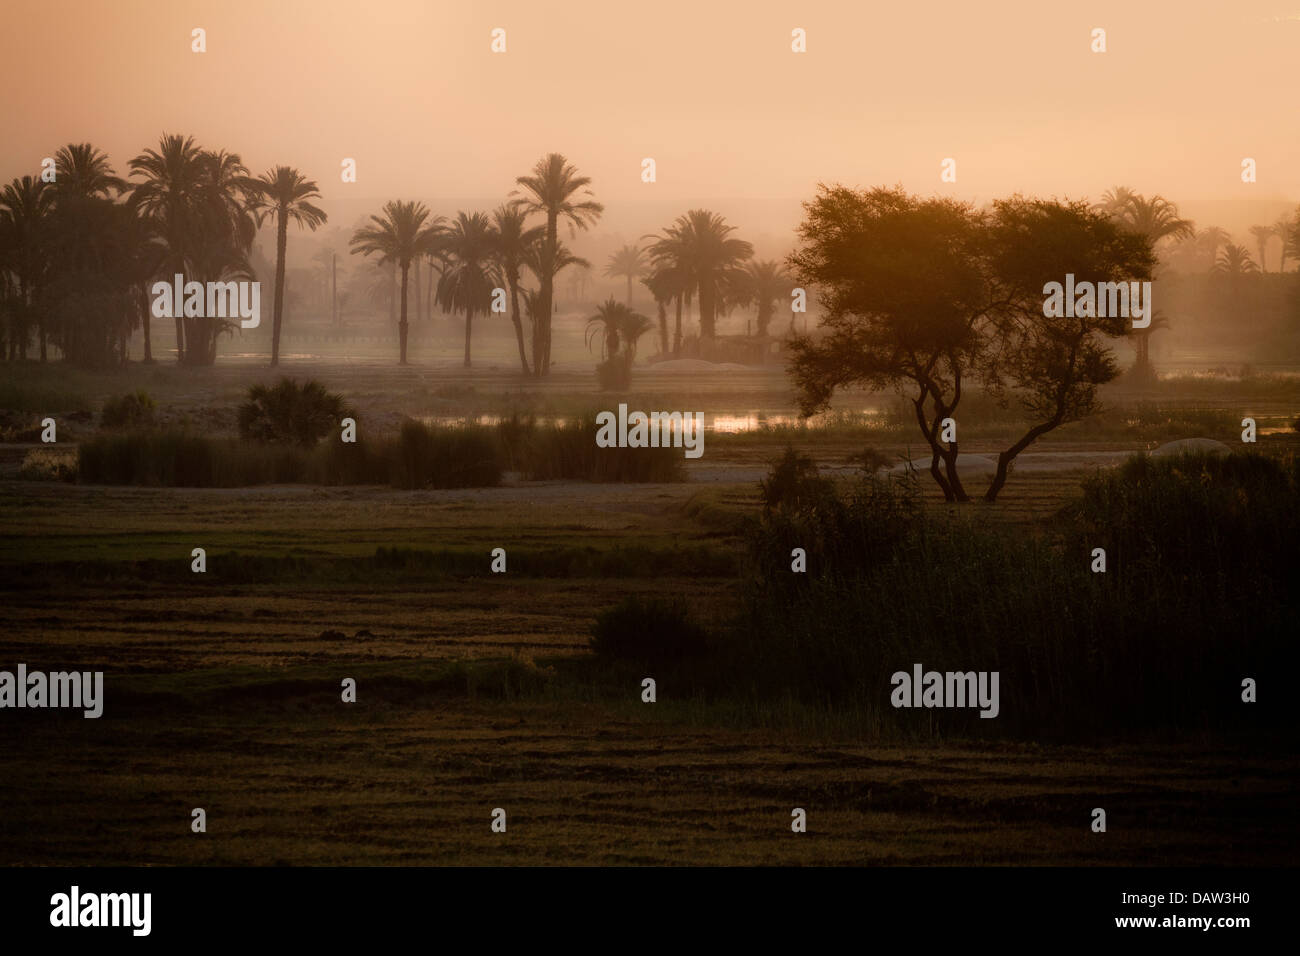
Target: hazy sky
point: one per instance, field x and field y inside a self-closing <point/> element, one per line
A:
<point x="709" y="89"/>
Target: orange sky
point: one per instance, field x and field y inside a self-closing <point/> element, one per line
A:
<point x="709" y="89"/>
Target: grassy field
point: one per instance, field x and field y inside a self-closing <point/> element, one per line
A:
<point x="476" y="690"/>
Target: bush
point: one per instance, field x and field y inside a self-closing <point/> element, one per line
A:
<point x="1198" y="592"/>
<point x="133" y="408"/>
<point x="289" y="413"/>
<point x="49" y="464"/>
<point x="615" y="373"/>
<point x="650" y="631"/>
<point x="793" y="484"/>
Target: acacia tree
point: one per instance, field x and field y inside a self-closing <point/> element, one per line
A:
<point x="1054" y="364"/>
<point x="933" y="295"/>
<point x="903" y="288"/>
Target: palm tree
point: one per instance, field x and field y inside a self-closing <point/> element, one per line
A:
<point x="401" y="234"/>
<point x="1285" y="229"/>
<point x="763" y="283"/>
<point x="714" y="261"/>
<point x="619" y="329"/>
<point x="84" y="171"/>
<point x="664" y="289"/>
<point x="513" y="240"/>
<point x="175" y="196"/>
<point x="1211" y="238"/>
<point x="25" y="209"/>
<point x="471" y="274"/>
<point x="1115" y="200"/>
<point x="1156" y="218"/>
<point x="1262" y="235"/>
<point x="628" y="261"/>
<point x="555" y="190"/>
<point x="287" y="194"/>
<point x="1235" y="261"/>
<point x="670" y="255"/>
<point x="1142" y="369"/>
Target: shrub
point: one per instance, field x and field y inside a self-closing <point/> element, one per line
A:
<point x="793" y="484"/>
<point x="289" y="413"/>
<point x="49" y="464"/>
<point x="1198" y="592"/>
<point x="649" y="631"/>
<point x="133" y="408"/>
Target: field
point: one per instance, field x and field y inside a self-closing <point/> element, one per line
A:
<point x="477" y="690"/>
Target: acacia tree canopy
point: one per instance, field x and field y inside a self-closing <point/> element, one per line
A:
<point x="930" y="295"/>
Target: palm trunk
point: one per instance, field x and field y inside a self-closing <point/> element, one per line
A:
<point x="663" y="327"/>
<point x="428" y="288"/>
<point x="677" y="334"/>
<point x="281" y="248"/>
<point x="542" y="349"/>
<point x="706" y="311"/>
<point x="469" y="326"/>
<point x="629" y="290"/>
<point x="415" y="276"/>
<point x="519" y="325"/>
<point x="142" y="304"/>
<point x="401" y="326"/>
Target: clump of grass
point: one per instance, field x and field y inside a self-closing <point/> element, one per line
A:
<point x="420" y="457"/>
<point x="569" y="450"/>
<point x="133" y="408"/>
<point x="49" y="464"/>
<point x="458" y="456"/>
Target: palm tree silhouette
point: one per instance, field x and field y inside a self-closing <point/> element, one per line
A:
<point x="670" y="255"/>
<point x="619" y="330"/>
<point x="513" y="239"/>
<point x="471" y="275"/>
<point x="285" y="193"/>
<point x="628" y="261"/>
<point x="24" y="215"/>
<point x="555" y="190"/>
<point x="713" y="261"/>
<point x="1235" y="261"/>
<point x="402" y="233"/>
<point x="764" y="283"/>
<point x="1262" y="235"/>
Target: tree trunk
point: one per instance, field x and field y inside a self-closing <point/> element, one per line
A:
<point x="401" y="327"/>
<point x="663" y="327"/>
<point x="519" y="325"/>
<point x="629" y="290"/>
<point x="281" y="248"/>
<point x="677" y="333"/>
<point x="469" y="326"/>
<point x="147" y="313"/>
<point x="415" y="279"/>
<point x="545" y="296"/>
<point x="706" y="310"/>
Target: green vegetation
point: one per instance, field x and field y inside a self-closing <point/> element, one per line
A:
<point x="133" y="408"/>
<point x="289" y="413"/>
